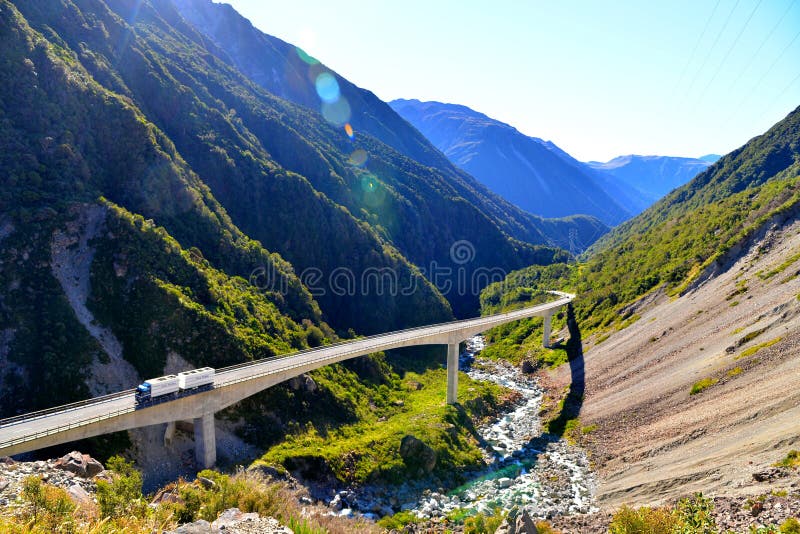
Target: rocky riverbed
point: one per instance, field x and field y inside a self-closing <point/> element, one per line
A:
<point x="525" y="468"/>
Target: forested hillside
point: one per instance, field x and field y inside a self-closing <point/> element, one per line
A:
<point x="690" y="235"/>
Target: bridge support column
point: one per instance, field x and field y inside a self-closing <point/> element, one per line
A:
<point x="452" y="373"/>
<point x="547" y="326"/>
<point x="169" y="434"/>
<point x="205" y="443"/>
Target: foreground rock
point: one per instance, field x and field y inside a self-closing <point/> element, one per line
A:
<point x="82" y="465"/>
<point x="234" y="521"/>
<point x="74" y="472"/>
<point x="417" y="455"/>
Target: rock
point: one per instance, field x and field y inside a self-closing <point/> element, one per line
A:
<point x="3" y="483"/>
<point x="7" y="460"/>
<point x="518" y="522"/>
<point x="207" y="483"/>
<point x="416" y="454"/>
<point x="82" y="465"/>
<point x="505" y="482"/>
<point x="231" y="517"/>
<point x="769" y="474"/>
<point x="93" y="467"/>
<point x="79" y="495"/>
<point x="527" y="367"/>
<point x="303" y="383"/>
<point x="198" y="527"/>
<point x="167" y="495"/>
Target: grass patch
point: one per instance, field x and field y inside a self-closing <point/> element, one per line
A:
<point x="753" y="350"/>
<point x="780" y="268"/>
<point x="792" y="460"/>
<point x="521" y="340"/>
<point x="702" y="385"/>
<point x="736" y="371"/>
<point x="368" y="449"/>
<point x="690" y="515"/>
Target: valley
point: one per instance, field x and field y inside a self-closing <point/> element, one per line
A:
<point x="410" y="316"/>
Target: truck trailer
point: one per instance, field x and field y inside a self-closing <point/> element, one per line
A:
<point x="170" y="387"/>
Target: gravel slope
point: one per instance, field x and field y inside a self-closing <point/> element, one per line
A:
<point x="655" y="442"/>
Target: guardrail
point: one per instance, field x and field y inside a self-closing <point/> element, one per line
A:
<point x="377" y="342"/>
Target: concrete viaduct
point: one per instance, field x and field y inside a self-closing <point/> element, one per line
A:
<point x="116" y="412"/>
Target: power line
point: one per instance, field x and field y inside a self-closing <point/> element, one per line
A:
<point x="760" y="46"/>
<point x="696" y="45"/>
<point x="728" y="53"/>
<point x="713" y="46"/>
<point x="772" y="66"/>
<point x="777" y="99"/>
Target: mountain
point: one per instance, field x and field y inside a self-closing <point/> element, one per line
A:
<point x="652" y="177"/>
<point x="689" y="316"/>
<point x="534" y="174"/>
<point x="291" y="73"/>
<point x="710" y="158"/>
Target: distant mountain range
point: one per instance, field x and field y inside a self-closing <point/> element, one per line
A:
<point x="540" y="177"/>
<point x="652" y="177"/>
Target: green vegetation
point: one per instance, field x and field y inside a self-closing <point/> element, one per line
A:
<point x="691" y="515"/>
<point x="792" y="460"/>
<point x="694" y="231"/>
<point x="122" y="508"/>
<point x="736" y="371"/>
<point x="703" y="384"/>
<point x="752" y="350"/>
<point x="368" y="448"/>
<point x="779" y="268"/>
<point x="484" y="523"/>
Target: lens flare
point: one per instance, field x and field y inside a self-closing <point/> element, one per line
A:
<point x="374" y="192"/>
<point x="327" y="87"/>
<point x="348" y="130"/>
<point x="336" y="113"/>
<point x="358" y="157"/>
<point x="305" y="57"/>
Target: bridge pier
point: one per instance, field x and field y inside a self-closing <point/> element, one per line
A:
<point x="169" y="433"/>
<point x="452" y="373"/>
<point x="205" y="443"/>
<point x="547" y="327"/>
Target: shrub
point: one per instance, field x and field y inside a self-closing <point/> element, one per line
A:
<point x="398" y="520"/>
<point x="484" y="523"/>
<point x="702" y="384"/>
<point x="123" y="495"/>
<point x="695" y="515"/>
<point x="643" y="521"/>
<point x="49" y="509"/>
<point x="792" y="460"/>
<point x="790" y="526"/>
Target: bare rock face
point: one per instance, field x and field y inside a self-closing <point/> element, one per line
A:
<point x="417" y="455"/>
<point x="518" y="522"/>
<point x="82" y="465"/>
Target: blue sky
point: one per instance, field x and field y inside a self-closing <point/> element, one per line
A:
<point x="598" y="78"/>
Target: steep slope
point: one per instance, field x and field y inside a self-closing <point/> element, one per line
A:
<point x="651" y="176"/>
<point x="691" y="314"/>
<point x="81" y="277"/>
<point x="534" y="174"/>
<point x="118" y="261"/>
<point x="291" y="73"/>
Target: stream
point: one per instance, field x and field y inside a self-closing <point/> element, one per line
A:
<point x="525" y="467"/>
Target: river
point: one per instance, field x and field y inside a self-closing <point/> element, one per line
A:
<point x="525" y="467"/>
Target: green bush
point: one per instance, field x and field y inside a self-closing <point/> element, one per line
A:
<point x="790" y="526"/>
<point x="484" y="523"/>
<point x="700" y="385"/>
<point x="643" y="521"/>
<point x="49" y="509"/>
<point x="123" y="495"/>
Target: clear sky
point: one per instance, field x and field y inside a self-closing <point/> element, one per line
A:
<point x="599" y="78"/>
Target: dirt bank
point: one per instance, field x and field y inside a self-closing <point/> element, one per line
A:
<point x="655" y="441"/>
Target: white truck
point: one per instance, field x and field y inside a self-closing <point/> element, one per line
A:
<point x="196" y="378"/>
<point x="165" y="388"/>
